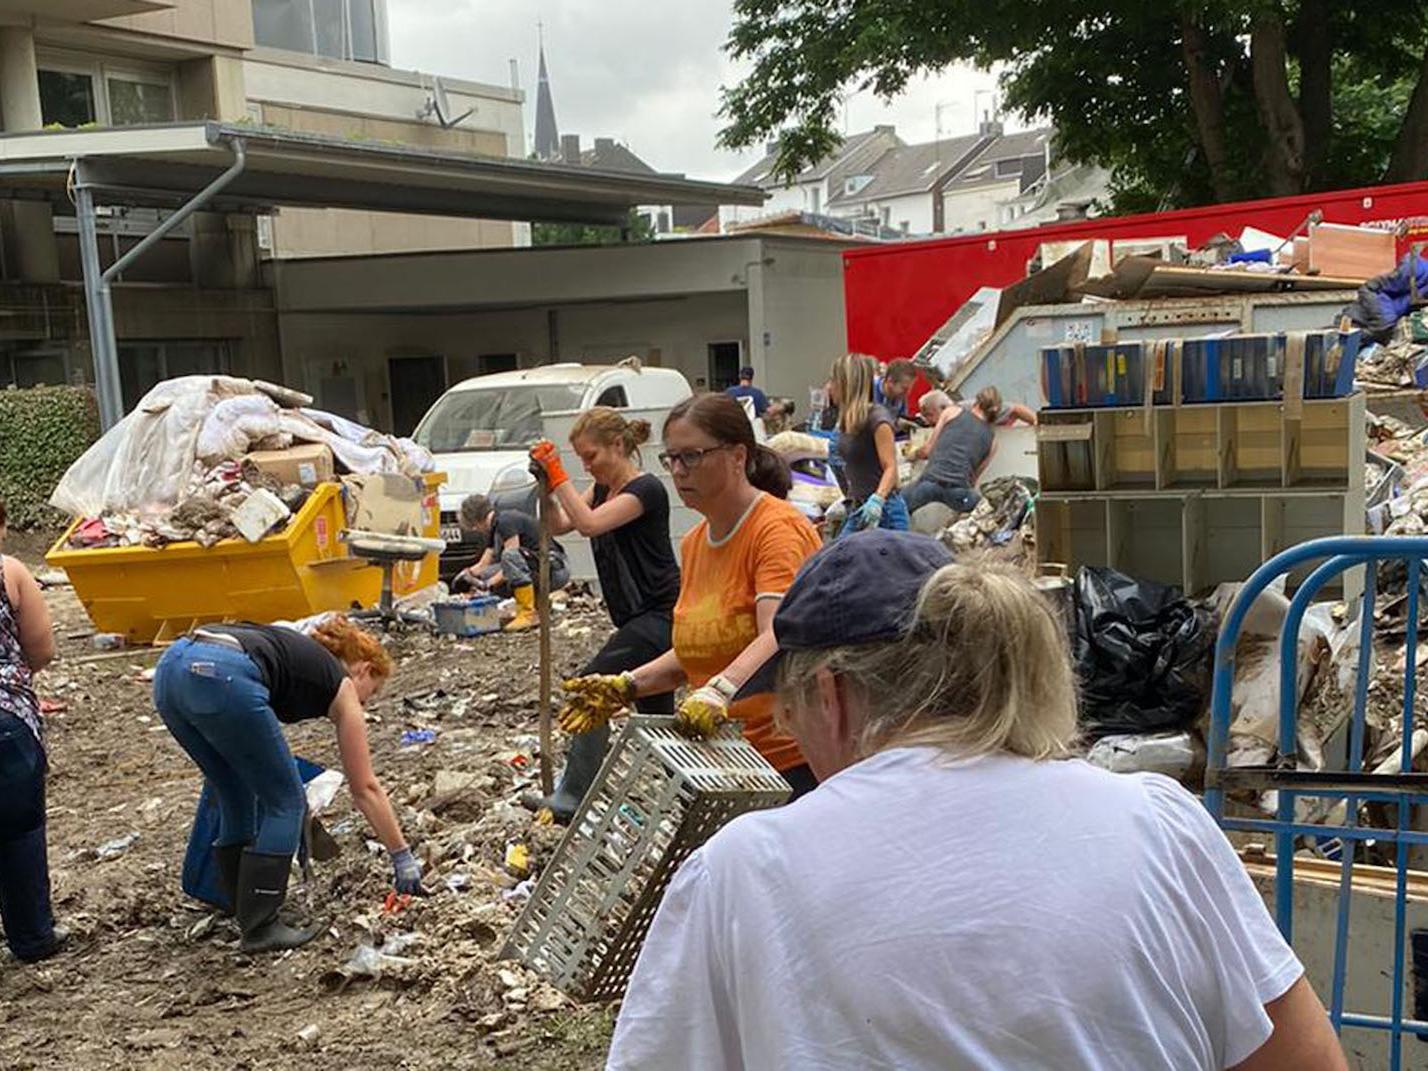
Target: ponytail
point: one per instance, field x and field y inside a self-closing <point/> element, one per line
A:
<point x="769" y="472"/>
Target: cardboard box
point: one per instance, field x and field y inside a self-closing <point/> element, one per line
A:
<point x="1350" y="252"/>
<point x="385" y="502"/>
<point x="307" y="464"/>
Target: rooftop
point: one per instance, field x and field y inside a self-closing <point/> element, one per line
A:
<point x="983" y="169"/>
<point x="914" y="168"/>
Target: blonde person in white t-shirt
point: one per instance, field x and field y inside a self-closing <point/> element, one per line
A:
<point x="958" y="892"/>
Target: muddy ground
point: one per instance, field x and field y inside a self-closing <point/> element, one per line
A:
<point x="154" y="979"/>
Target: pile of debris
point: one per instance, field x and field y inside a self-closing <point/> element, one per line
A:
<point x="1003" y="519"/>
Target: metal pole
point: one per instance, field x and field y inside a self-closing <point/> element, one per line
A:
<point x="98" y="300"/>
<point x="542" y="593"/>
<point x="97" y="306"/>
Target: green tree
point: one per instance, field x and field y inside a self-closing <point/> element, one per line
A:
<point x="1184" y="103"/>
<point x="638" y="229"/>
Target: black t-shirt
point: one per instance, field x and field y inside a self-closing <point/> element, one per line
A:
<point x="302" y="675"/>
<point x="860" y="454"/>
<point x="512" y="522"/>
<point x="635" y="562"/>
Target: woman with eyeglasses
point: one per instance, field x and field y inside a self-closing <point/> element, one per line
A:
<point x="625" y="515"/>
<point x="735" y="566"/>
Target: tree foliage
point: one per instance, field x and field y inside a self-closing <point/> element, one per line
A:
<point x="638" y="229"/>
<point x="1184" y="103"/>
<point x="43" y="430"/>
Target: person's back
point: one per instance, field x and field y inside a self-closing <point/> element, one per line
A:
<point x="994" y="913"/>
<point x="962" y="445"/>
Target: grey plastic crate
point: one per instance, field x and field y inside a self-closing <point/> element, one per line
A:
<point x="658" y="797"/>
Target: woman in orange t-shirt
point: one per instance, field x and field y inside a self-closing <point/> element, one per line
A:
<point x="735" y="566"/>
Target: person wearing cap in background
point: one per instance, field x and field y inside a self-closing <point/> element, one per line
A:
<point x="735" y="565"/>
<point x="745" y="389"/>
<point x="958" y="892"/>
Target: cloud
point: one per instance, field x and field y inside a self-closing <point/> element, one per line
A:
<point x="645" y="74"/>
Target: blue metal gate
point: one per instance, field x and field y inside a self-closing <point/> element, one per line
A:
<point x="1351" y="784"/>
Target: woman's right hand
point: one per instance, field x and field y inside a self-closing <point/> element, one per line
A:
<point x="545" y="455"/>
<point x="592" y="700"/>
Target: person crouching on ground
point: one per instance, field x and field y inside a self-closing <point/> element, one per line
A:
<point x="511" y="560"/>
<point x="224" y="692"/>
<point x="27" y="645"/>
<point x="735" y="565"/>
<point x="625" y="515"/>
<point x="958" y="892"/>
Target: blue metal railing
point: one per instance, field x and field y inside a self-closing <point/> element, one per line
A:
<point x="1336" y="555"/>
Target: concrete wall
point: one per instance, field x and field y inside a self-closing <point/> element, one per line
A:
<point x="216" y="22"/>
<point x="803" y="321"/>
<point x="913" y="209"/>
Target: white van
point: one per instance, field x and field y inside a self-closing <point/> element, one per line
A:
<point x="483" y="427"/>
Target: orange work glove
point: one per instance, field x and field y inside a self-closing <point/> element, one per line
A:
<point x="547" y="455"/>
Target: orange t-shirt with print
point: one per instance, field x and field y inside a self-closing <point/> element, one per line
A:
<point x="715" y="620"/>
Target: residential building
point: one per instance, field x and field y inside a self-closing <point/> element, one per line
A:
<point x="986" y="193"/>
<point x="901" y="190"/>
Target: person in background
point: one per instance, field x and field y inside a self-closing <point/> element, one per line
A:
<point x="625" y="514"/>
<point x="735" y="565"/>
<point x="27" y="645"/>
<point x="865" y="444"/>
<point x="962" y="443"/>
<point x="778" y="416"/>
<point x="1093" y="920"/>
<point x="224" y="692"/>
<point x="890" y="390"/>
<point x="511" y="560"/>
<point x="746" y="389"/>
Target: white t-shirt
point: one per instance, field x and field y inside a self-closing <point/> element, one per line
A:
<point x="915" y="912"/>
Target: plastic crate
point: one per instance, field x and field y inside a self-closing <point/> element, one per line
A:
<point x="658" y="797"/>
<point x="467" y="617"/>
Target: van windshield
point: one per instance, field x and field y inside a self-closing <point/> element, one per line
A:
<point x="497" y="418"/>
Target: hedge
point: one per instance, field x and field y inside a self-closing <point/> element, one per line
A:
<point x="42" y="431"/>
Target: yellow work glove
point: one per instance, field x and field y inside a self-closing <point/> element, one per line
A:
<point x="702" y="711"/>
<point x="593" y="700"/>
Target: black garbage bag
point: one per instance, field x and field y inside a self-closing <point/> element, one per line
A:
<point x="1144" y="655"/>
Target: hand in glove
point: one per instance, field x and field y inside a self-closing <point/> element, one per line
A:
<point x="546" y="455"/>
<point x="703" y="710"/>
<point x="406" y="873"/>
<point x="593" y="700"/>
<point x="869" y="515"/>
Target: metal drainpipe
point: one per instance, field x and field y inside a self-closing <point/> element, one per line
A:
<point x="97" y="296"/>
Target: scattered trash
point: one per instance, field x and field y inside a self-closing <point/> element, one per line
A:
<point x="520" y="892"/>
<point x="412" y="737"/>
<point x="518" y="859"/>
<point x="112" y="849"/>
<point x="309" y="1034"/>
<point x="366" y="962"/>
<point x="107" y="641"/>
<point x="1179" y="755"/>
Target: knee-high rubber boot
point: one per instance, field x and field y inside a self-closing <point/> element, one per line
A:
<point x="526" y="616"/>
<point x="262" y="888"/>
<point x="582" y="762"/>
<point x="229" y="858"/>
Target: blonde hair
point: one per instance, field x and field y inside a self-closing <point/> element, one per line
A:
<point x="984" y="667"/>
<point x="607" y="426"/>
<point x="989" y="401"/>
<point x="854" y="379"/>
<point x="351" y="645"/>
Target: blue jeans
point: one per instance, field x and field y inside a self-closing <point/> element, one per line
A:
<point x="920" y="492"/>
<point x="24" y="863"/>
<point x="215" y="704"/>
<point x="895" y="516"/>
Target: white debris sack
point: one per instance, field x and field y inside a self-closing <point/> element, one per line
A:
<point x="237" y="425"/>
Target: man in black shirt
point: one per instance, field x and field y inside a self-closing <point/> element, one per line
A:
<point x="511" y="561"/>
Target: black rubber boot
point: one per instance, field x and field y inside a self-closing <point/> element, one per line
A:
<point x="262" y="888"/>
<point x="229" y="858"/>
<point x="582" y="762"/>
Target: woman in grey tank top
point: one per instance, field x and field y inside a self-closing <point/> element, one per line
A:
<point x="958" y="452"/>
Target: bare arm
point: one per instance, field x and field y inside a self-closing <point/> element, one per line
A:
<point x="367" y="792"/>
<point x="991" y="452"/>
<point x="560" y="522"/>
<point x="663" y="674"/>
<point x="614" y="512"/>
<point x="1017" y="411"/>
<point x="760" y="651"/>
<point x="1302" y="1040"/>
<point x="37" y="633"/>
<point x="925" y="450"/>
<point x="887" y="457"/>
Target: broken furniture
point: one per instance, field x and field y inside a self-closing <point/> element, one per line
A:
<point x="387" y="552"/>
<point x="658" y="797"/>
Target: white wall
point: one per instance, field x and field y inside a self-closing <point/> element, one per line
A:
<point x="914" y="209"/>
<point x="976" y="208"/>
<point x="804" y="328"/>
<point x="798" y="198"/>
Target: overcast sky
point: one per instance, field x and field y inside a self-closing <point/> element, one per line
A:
<point x="647" y="74"/>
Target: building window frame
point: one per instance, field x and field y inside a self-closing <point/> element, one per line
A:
<point x="101" y="69"/>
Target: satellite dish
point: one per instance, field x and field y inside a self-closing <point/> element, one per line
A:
<point x="439" y="105"/>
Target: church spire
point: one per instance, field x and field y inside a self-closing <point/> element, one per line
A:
<point x="547" y="136"/>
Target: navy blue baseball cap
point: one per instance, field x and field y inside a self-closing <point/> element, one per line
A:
<point x="861" y="589"/>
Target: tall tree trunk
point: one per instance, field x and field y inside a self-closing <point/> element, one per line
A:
<point x="1410" y="152"/>
<point x="1208" y="104"/>
<point x="1315" y="50"/>
<point x="1284" y="153"/>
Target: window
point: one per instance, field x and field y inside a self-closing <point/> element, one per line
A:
<point x="143" y="365"/>
<point x="885" y="215"/>
<point x="614" y="397"/>
<point x="78" y="90"/>
<point x="339" y="29"/>
<point x="815" y="200"/>
<point x="1009" y="167"/>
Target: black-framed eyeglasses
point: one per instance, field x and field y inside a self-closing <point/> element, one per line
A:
<point x="688" y="459"/>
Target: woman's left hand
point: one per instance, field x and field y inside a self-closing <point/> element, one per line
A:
<point x="703" y="710"/>
<point x="406" y="873"/>
<point x="869" y="515"/>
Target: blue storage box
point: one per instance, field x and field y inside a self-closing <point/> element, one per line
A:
<point x="475" y="616"/>
<point x="1101" y="375"/>
<point x="1251" y="367"/>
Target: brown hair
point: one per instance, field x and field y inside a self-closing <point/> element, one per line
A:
<point x="474" y="510"/>
<point x="351" y="645"/>
<point x="984" y="667"/>
<point x="989" y="401"/>
<point x="724" y="420"/>
<point x="608" y="426"/>
<point x="853" y="375"/>
<point x="901" y="369"/>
